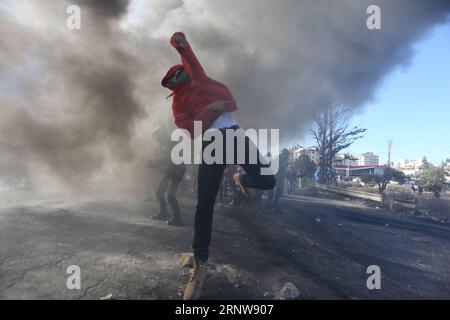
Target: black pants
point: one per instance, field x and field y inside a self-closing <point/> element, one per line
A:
<point x="274" y="201"/>
<point x="209" y="178"/>
<point x="169" y="184"/>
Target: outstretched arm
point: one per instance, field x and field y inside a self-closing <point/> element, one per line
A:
<point x="190" y="62"/>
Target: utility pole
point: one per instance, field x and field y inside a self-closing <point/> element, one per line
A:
<point x="389" y="152"/>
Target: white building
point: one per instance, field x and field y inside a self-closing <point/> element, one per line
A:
<point x="312" y="152"/>
<point x="409" y="167"/>
<point x="368" y="159"/>
<point x="342" y="160"/>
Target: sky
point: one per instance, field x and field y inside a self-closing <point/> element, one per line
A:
<point x="412" y="106"/>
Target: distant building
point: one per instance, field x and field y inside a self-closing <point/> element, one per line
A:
<point x="312" y="152"/>
<point x="346" y="160"/>
<point x="348" y="172"/>
<point x="368" y="159"/>
<point x="409" y="167"/>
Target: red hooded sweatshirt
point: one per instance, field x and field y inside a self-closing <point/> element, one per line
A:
<point x="191" y="98"/>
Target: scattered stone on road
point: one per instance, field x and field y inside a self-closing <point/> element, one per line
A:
<point x="107" y="297"/>
<point x="289" y="291"/>
<point x="186" y="260"/>
<point x="144" y="260"/>
<point x="211" y="268"/>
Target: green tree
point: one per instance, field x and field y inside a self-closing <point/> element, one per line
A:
<point x="446" y="166"/>
<point x="432" y="178"/>
<point x="425" y="163"/>
<point x="382" y="180"/>
<point x="305" y="166"/>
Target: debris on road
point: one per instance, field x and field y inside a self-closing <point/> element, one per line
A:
<point x="312" y="243"/>
<point x="186" y="260"/>
<point x="185" y="272"/>
<point x="295" y="247"/>
<point x="107" y="297"/>
<point x="289" y="291"/>
<point x="211" y="268"/>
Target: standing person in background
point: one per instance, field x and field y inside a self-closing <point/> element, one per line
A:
<point x="259" y="193"/>
<point x="273" y="201"/>
<point x="224" y="184"/>
<point x="292" y="178"/>
<point x="171" y="179"/>
<point x="420" y="193"/>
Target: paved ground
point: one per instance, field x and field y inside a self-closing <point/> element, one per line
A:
<point x="322" y="244"/>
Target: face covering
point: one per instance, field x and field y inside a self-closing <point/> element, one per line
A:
<point x="179" y="77"/>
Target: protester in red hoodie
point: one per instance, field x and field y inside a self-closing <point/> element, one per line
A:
<point x="197" y="97"/>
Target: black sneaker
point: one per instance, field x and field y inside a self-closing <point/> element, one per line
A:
<point x="174" y="222"/>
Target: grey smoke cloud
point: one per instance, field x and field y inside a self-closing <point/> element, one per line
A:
<point x="82" y="104"/>
<point x="105" y="8"/>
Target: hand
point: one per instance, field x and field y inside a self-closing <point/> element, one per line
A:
<point x="179" y="39"/>
<point x="219" y="105"/>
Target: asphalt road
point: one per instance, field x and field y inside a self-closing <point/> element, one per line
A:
<point x="322" y="244"/>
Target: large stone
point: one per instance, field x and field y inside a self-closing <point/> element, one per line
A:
<point x="186" y="260"/>
<point x="289" y="291"/>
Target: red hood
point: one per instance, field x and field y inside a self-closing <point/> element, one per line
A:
<point x="170" y="74"/>
<point x="192" y="98"/>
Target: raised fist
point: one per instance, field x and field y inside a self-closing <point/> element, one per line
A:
<point x="179" y="39"/>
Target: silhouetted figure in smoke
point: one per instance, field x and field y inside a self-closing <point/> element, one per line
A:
<point x="172" y="177"/>
<point x="193" y="172"/>
<point x="259" y="193"/>
<point x="292" y="177"/>
<point x="197" y="97"/>
<point x="225" y="183"/>
<point x="273" y="201"/>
